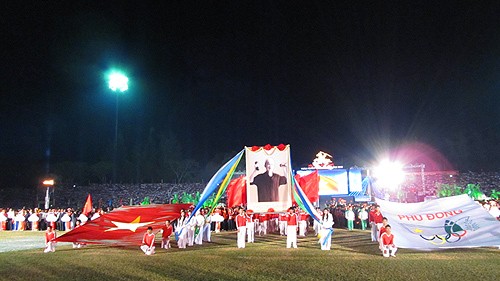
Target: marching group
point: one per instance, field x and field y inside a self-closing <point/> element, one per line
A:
<point x="291" y="224"/>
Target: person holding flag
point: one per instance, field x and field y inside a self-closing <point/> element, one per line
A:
<point x="148" y="242"/>
<point x="326" y="231"/>
<point x="199" y="220"/>
<point x="50" y="236"/>
<point x="387" y="243"/>
<point x="375" y="218"/>
<point x="166" y="232"/>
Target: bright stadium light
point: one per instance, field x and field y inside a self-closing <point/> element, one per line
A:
<point x="118" y="82"/>
<point x="389" y="174"/>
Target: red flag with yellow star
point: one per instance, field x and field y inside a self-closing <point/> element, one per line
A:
<point x="125" y="225"/>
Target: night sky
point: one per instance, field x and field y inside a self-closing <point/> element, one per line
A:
<point x="353" y="79"/>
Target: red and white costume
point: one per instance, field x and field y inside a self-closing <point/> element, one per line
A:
<point x="217" y="218"/>
<point x="303" y="217"/>
<point x="291" y="236"/>
<point x="166" y="232"/>
<point x="20" y="220"/>
<point x="50" y="244"/>
<point x="375" y="219"/>
<point x="66" y="219"/>
<point x="148" y="243"/>
<point x="241" y="222"/>
<point x="3" y="220"/>
<point x="34" y="219"/>
<point x="263" y="221"/>
<point x="387" y="245"/>
<point x="250" y="228"/>
<point x="282" y="223"/>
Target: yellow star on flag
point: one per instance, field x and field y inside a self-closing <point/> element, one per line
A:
<point x="132" y="226"/>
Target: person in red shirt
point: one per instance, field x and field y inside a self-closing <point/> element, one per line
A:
<point x="382" y="228"/>
<point x="375" y="217"/>
<point x="241" y="225"/>
<point x="250" y="227"/>
<point x="263" y="222"/>
<point x="50" y="236"/>
<point x="282" y="223"/>
<point x="303" y="219"/>
<point x="291" y="235"/>
<point x="387" y="243"/>
<point x="148" y="242"/>
<point x="166" y="232"/>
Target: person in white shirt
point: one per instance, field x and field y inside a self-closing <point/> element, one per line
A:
<point x="326" y="230"/>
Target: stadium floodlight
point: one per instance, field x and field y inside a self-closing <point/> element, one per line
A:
<point x="118" y="82"/>
<point x="389" y="174"/>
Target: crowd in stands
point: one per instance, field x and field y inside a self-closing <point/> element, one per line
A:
<point x="71" y="198"/>
<point x="115" y="195"/>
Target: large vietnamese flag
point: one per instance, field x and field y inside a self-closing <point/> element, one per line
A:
<point x="125" y="225"/>
<point x="236" y="192"/>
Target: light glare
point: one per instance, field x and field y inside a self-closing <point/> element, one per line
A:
<point x="389" y="174"/>
<point x="118" y="81"/>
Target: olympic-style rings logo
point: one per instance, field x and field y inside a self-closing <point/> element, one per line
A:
<point x="454" y="232"/>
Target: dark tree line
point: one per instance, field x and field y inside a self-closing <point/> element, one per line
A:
<point x="158" y="159"/>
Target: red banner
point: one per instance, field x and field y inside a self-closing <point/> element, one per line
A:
<point x="310" y="185"/>
<point x="125" y="225"/>
<point x="236" y="192"/>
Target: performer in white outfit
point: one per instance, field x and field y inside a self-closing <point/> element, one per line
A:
<point x="190" y="227"/>
<point x="34" y="219"/>
<point x="200" y="222"/>
<point x="207" y="227"/>
<point x="316" y="224"/>
<point x="326" y="230"/>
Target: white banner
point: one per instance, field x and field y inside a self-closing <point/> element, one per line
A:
<point x="268" y="179"/>
<point x="451" y="222"/>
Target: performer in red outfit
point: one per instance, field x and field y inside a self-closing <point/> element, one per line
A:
<point x="291" y="236"/>
<point x="382" y="228"/>
<point x="375" y="217"/>
<point x="50" y="236"/>
<point x="282" y="224"/>
<point x="241" y="225"/>
<point x="148" y="242"/>
<point x="166" y="232"/>
<point x="387" y="243"/>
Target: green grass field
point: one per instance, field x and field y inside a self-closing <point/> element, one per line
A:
<point x="353" y="257"/>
